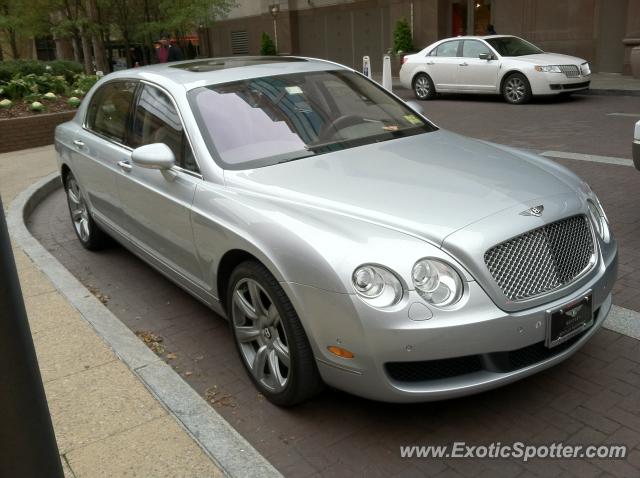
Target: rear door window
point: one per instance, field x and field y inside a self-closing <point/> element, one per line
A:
<point x="448" y="49"/>
<point x="109" y="110"/>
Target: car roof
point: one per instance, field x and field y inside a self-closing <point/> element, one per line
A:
<point x="191" y="74"/>
<point x="474" y="37"/>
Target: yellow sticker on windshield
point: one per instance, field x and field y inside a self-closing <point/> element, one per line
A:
<point x="413" y="119"/>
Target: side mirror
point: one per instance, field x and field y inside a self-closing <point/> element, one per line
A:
<point x="485" y="56"/>
<point x="415" y="106"/>
<point x="153" y="156"/>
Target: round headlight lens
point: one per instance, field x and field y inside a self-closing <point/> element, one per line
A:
<point x="437" y="282"/>
<point x="378" y="286"/>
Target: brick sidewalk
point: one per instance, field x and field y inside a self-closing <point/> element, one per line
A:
<point x="106" y="422"/>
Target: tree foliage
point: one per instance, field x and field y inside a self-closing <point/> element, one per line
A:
<point x="267" y="47"/>
<point x="402" y="38"/>
<point x="89" y="23"/>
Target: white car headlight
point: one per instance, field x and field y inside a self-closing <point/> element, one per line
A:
<point x="585" y="69"/>
<point x="599" y="218"/>
<point x="548" y="68"/>
<point x="437" y="282"/>
<point x="378" y="286"/>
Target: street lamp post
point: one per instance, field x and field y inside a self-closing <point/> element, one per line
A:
<point x="27" y="442"/>
<point x="274" y="10"/>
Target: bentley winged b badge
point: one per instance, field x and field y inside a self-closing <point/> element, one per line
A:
<point x="534" y="211"/>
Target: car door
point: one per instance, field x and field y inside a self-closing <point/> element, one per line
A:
<point x="474" y="73"/>
<point x="99" y="146"/>
<point x="157" y="204"/>
<point x="442" y="65"/>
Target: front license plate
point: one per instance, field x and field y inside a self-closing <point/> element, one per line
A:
<point x="568" y="321"/>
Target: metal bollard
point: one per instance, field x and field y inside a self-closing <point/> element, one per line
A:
<point x="27" y="442"/>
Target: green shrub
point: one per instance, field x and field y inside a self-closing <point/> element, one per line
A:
<point x="267" y="47"/>
<point x="33" y="86"/>
<point x="68" y="69"/>
<point x="83" y="83"/>
<point x="402" y="40"/>
<point x="16" y="88"/>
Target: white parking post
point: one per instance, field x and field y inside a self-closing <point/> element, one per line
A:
<point x="366" y="66"/>
<point x="386" y="73"/>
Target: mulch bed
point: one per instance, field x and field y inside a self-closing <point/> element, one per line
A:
<point x="23" y="108"/>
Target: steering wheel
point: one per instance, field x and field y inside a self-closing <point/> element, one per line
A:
<point x="341" y="122"/>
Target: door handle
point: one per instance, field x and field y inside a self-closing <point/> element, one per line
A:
<point x="464" y="64"/>
<point x="78" y="143"/>
<point x="430" y="63"/>
<point x="125" y="165"/>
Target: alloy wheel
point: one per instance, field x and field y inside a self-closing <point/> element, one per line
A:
<point x="422" y="87"/>
<point x="78" y="208"/>
<point x="260" y="335"/>
<point x="515" y="89"/>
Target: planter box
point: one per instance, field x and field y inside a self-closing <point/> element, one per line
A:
<point x="30" y="131"/>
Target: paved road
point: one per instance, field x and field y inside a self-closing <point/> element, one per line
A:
<point x="580" y="123"/>
<point x="592" y="398"/>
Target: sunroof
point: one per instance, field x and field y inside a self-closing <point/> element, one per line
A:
<point x="214" y="64"/>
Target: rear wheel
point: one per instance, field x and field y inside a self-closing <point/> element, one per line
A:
<point x="87" y="231"/>
<point x="516" y="89"/>
<point x="269" y="337"/>
<point x="423" y="87"/>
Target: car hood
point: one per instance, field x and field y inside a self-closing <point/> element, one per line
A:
<point x="550" y="59"/>
<point x="428" y="186"/>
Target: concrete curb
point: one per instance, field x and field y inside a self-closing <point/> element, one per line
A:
<point x="220" y="441"/>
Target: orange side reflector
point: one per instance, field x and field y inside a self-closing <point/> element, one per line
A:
<point x="340" y="352"/>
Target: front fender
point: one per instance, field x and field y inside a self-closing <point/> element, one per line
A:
<point x="298" y="244"/>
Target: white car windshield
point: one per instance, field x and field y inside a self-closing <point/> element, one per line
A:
<point x="513" y="46"/>
<point x="263" y="121"/>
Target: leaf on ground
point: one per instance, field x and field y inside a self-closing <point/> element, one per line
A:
<point x="151" y="340"/>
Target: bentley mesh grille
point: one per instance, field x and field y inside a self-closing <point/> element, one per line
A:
<point x="571" y="71"/>
<point x="542" y="259"/>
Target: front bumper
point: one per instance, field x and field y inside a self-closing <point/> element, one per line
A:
<point x="477" y="328"/>
<point x="556" y="83"/>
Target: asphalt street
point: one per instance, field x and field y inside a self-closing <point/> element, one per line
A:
<point x="592" y="398"/>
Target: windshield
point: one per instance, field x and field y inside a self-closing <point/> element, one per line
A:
<point x="264" y="121"/>
<point x="513" y="46"/>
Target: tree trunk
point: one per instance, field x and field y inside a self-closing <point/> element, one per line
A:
<point x="87" y="53"/>
<point x="13" y="43"/>
<point x="96" y="38"/>
<point x="1" y="54"/>
<point x="75" y="42"/>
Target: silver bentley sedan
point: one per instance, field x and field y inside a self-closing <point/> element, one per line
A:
<point x="348" y="240"/>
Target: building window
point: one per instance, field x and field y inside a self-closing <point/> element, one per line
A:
<point x="240" y="43"/>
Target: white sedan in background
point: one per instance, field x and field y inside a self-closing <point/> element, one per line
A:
<point x="495" y="64"/>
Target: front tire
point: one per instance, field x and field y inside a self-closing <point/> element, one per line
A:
<point x="516" y="89"/>
<point x="89" y="234"/>
<point x="269" y="337"/>
<point x="423" y="87"/>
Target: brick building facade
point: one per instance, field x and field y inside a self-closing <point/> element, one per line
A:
<point x="602" y="31"/>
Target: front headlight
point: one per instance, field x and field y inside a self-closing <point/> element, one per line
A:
<point x="585" y="69"/>
<point x="599" y="219"/>
<point x="437" y="282"/>
<point x="548" y="68"/>
<point x="378" y="286"/>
